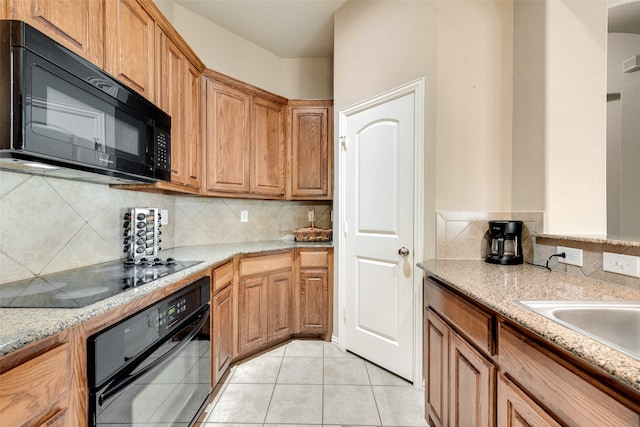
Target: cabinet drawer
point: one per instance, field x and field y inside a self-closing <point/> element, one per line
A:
<point x="265" y="263"/>
<point x="32" y="387"/>
<point x="314" y="259"/>
<point x="475" y="324"/>
<point x="222" y="276"/>
<point x="566" y="394"/>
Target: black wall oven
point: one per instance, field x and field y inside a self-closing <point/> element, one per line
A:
<point x="60" y="115"/>
<point x="153" y="367"/>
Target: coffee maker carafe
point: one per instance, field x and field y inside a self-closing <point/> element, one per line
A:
<point x="505" y="243"/>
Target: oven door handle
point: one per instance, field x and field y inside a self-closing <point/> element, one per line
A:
<point x="125" y="378"/>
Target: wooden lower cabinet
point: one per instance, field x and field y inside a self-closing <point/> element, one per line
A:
<point x="516" y="409"/>
<point x="460" y="380"/>
<point x="264" y="300"/>
<point x="36" y="392"/>
<point x="222" y="315"/>
<point x="252" y="313"/>
<point x="313" y="296"/>
<point x="436" y="370"/>
<point x="482" y="370"/>
<point x="279" y="322"/>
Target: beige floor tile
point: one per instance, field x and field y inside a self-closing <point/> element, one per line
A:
<point x="345" y="371"/>
<point x="379" y="376"/>
<point x="332" y="350"/>
<point x="242" y="403"/>
<point x="304" y="348"/>
<point x="297" y="404"/>
<point x="301" y="370"/>
<point x="400" y="406"/>
<point x="347" y="404"/>
<point x="261" y="370"/>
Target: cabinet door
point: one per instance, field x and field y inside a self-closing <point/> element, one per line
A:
<point x="311" y="153"/>
<point x="471" y="385"/>
<point x="192" y="144"/>
<point x="279" y="308"/>
<point x="227" y="138"/>
<point x="267" y="148"/>
<point x="516" y="409"/>
<point x="130" y="45"/>
<point x="314" y="294"/>
<point x="76" y="24"/>
<point x="436" y="370"/>
<point x="36" y="392"/>
<point x="222" y="327"/>
<point x="171" y="78"/>
<point x="252" y="313"/>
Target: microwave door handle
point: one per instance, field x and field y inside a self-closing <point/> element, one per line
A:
<point x="125" y="378"/>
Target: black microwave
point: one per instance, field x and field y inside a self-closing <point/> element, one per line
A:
<point x="62" y="116"/>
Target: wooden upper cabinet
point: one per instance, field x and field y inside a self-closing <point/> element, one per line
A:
<point x="267" y="148"/>
<point x="171" y="66"/>
<point x="76" y="24"/>
<point x="227" y="113"/>
<point x="130" y="45"/>
<point x="192" y="156"/>
<point x="310" y="173"/>
<point x="179" y="96"/>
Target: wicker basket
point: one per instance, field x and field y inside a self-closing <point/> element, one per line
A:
<point x="312" y="234"/>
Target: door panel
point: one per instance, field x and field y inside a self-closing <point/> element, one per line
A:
<point x="379" y="278"/>
<point x="379" y="210"/>
<point x="377" y="179"/>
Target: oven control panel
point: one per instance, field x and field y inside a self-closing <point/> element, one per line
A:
<point x="111" y="349"/>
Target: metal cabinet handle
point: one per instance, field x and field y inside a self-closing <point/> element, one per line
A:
<point x="403" y="251"/>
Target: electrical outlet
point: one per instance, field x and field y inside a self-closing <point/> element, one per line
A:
<point x="244" y="216"/>
<point x="573" y="256"/>
<point x="621" y="264"/>
<point x="164" y="214"/>
<point x="309" y="215"/>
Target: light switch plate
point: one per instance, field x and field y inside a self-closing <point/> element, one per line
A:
<point x="164" y="214"/>
<point x="244" y="216"/>
<point x="621" y="264"/>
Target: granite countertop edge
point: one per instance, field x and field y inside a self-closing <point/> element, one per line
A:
<point x="20" y="327"/>
<point x="497" y="287"/>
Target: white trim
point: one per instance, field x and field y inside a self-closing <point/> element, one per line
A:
<point x="417" y="88"/>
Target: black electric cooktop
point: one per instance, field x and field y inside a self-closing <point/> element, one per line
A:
<point x="84" y="286"/>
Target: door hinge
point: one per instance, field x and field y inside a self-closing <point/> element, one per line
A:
<point x="345" y="227"/>
<point x="344" y="316"/>
<point x="343" y="141"/>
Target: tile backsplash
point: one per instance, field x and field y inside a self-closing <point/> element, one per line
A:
<point x="463" y="235"/>
<point x="50" y="224"/>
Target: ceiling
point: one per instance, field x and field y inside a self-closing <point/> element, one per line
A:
<point x="286" y="28"/>
<point x="624" y="16"/>
<point x="304" y="28"/>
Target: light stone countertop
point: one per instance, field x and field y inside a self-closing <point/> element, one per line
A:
<point x="497" y="286"/>
<point x="20" y="327"/>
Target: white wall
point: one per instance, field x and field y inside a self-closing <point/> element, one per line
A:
<point x="575" y="117"/>
<point x="380" y="45"/>
<point x="475" y="92"/>
<point x="528" y="156"/>
<point x="230" y="54"/>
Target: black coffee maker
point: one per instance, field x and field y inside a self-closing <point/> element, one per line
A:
<point x="505" y="242"/>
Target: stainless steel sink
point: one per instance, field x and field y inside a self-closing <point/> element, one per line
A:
<point x="613" y="323"/>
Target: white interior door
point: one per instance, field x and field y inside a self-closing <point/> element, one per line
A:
<point x="379" y="234"/>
